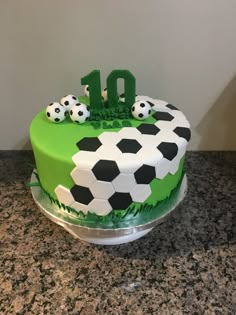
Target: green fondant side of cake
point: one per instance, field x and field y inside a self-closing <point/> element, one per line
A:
<point x="55" y="144"/>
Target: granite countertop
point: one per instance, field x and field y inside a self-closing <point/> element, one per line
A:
<point x="184" y="266"/>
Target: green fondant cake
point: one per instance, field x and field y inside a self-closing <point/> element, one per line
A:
<point x="108" y="165"/>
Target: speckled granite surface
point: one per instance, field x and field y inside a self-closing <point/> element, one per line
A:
<point x="187" y="265"/>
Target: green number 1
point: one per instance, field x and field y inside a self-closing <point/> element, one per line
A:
<point x="94" y="82"/>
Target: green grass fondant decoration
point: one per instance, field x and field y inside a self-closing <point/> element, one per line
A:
<point x="135" y="215"/>
<point x="108" y="114"/>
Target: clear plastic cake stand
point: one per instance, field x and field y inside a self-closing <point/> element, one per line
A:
<point x="98" y="235"/>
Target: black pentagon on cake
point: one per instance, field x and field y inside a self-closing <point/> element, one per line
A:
<point x="129" y="146"/>
<point x="148" y="129"/>
<point x="168" y="149"/>
<point x="120" y="201"/>
<point x="81" y="194"/>
<point x="170" y="106"/>
<point x="145" y="174"/>
<point x="89" y="144"/>
<point x="163" y="116"/>
<point x="183" y="132"/>
<point x="105" y="170"/>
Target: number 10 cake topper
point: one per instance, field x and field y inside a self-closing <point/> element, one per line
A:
<point x="93" y="80"/>
<point x="96" y="107"/>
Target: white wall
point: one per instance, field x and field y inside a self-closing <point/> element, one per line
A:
<point x="181" y="51"/>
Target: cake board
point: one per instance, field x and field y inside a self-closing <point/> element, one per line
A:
<point x="98" y="235"/>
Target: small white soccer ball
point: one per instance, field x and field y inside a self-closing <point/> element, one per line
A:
<point x="122" y="98"/>
<point x="68" y="101"/>
<point x="79" y="113"/>
<point x="86" y="90"/>
<point x="141" y="110"/>
<point x="104" y="94"/>
<point x="56" y="112"/>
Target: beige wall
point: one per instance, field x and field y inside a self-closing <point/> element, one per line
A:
<point x="181" y="51"/>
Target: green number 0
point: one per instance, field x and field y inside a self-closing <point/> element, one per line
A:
<point x="129" y="85"/>
<point x="94" y="82"/>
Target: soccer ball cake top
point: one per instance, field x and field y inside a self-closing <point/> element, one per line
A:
<point x="106" y="101"/>
<point x="128" y="152"/>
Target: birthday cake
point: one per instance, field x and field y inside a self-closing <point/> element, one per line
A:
<point x="104" y="158"/>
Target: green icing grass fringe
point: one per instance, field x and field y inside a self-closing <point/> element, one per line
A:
<point x="28" y="185"/>
<point x="133" y="216"/>
<point x="107" y="114"/>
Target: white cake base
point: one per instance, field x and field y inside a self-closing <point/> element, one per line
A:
<point x="111" y="240"/>
<point x="98" y="235"/>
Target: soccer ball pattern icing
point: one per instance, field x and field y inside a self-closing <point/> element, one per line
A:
<point x="116" y="169"/>
<point x="55" y="112"/>
<point x="79" y="113"/>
